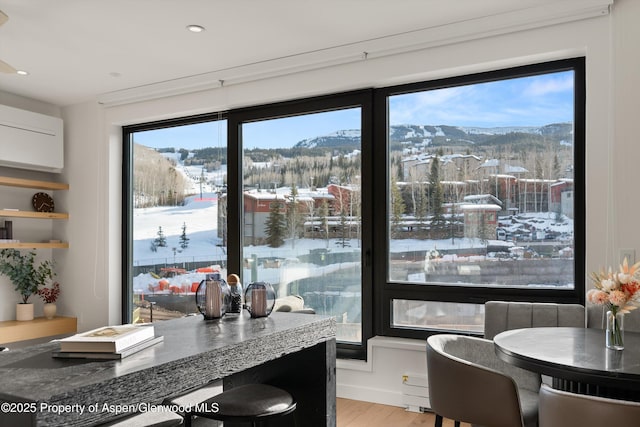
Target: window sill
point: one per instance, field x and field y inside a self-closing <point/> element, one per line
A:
<point x="403" y="344"/>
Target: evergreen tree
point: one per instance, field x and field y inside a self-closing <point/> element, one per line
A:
<point x="422" y="205"/>
<point x="397" y="207"/>
<point x="184" y="240"/>
<point x="556" y="167"/>
<point x="275" y="226"/>
<point x="437" y="194"/>
<point x="160" y="241"/>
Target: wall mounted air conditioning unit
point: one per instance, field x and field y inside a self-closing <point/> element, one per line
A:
<point x="30" y="140"/>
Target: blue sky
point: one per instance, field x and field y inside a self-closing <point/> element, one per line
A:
<point x="528" y="101"/>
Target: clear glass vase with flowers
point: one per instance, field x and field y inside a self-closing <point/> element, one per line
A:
<point x="618" y="292"/>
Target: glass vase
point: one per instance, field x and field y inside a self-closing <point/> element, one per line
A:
<point x="615" y="330"/>
<point x="259" y="299"/>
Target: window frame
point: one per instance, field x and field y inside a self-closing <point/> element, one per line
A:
<point x="235" y="118"/>
<point x="127" y="197"/>
<point x="362" y="99"/>
<point x="387" y="291"/>
<point x="377" y="292"/>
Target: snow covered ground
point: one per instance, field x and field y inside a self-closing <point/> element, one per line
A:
<point x="199" y="215"/>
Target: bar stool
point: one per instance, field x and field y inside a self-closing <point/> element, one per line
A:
<point x="147" y="419"/>
<point x="251" y="403"/>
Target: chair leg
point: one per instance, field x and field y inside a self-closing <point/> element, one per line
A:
<point x="438" y="422"/>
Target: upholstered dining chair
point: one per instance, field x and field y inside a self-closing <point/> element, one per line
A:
<point x="596" y="319"/>
<point x="562" y="408"/>
<point x="500" y="316"/>
<point x="468" y="383"/>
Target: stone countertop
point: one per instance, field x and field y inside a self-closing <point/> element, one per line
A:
<point x="194" y="352"/>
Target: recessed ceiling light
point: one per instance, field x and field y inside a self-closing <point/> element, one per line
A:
<point x="22" y="72"/>
<point x="195" y="28"/>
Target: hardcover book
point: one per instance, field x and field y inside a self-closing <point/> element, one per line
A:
<point x="108" y="355"/>
<point x="108" y="339"/>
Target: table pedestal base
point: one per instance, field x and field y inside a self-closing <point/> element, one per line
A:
<point x="596" y="390"/>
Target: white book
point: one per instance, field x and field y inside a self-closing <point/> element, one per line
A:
<point x="107" y="339"/>
<point x="110" y="355"/>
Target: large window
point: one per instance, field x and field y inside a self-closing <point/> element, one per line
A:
<point x="304" y="206"/>
<point x="178" y="175"/>
<point x="301" y="207"/>
<point x="398" y="211"/>
<point x="484" y="179"/>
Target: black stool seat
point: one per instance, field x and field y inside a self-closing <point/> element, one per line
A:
<point x="251" y="402"/>
<point x="147" y="419"/>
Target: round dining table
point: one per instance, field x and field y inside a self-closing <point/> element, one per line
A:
<point x="576" y="359"/>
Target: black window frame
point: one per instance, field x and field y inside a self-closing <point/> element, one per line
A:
<point x="362" y="99"/>
<point x="127" y="197"/>
<point x="377" y="292"/>
<point x="387" y="291"/>
<point x="235" y="118"/>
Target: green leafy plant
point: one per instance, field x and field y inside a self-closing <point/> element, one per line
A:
<point x="26" y="277"/>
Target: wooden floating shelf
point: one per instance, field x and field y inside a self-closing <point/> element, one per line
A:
<point x="13" y="330"/>
<point x="30" y="183"/>
<point x="42" y="245"/>
<point x="28" y="214"/>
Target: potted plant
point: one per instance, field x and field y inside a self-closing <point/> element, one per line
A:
<point x="26" y="277"/>
<point x="49" y="296"/>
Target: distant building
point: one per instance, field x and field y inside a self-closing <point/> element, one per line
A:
<point x="562" y="197"/>
<point x="257" y="205"/>
<point x="480" y="220"/>
<point x="419" y="166"/>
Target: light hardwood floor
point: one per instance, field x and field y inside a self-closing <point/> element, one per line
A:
<point x="355" y="413"/>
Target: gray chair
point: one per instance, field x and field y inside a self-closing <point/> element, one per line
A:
<point x="596" y="319"/>
<point x="561" y="408"/>
<point x="468" y="383"/>
<point x="502" y="316"/>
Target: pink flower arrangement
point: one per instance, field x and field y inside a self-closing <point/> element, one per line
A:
<point x="50" y="295"/>
<point x="616" y="290"/>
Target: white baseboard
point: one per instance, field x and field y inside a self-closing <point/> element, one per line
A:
<point x="366" y="394"/>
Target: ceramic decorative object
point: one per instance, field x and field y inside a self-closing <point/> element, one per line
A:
<point x="24" y="312"/>
<point x="49" y="310"/>
<point x="236" y="293"/>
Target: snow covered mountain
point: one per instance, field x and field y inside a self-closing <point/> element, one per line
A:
<point x="561" y="133"/>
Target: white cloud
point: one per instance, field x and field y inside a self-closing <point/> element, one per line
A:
<point x="557" y="84"/>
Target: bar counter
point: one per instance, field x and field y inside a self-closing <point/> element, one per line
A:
<point x="290" y="350"/>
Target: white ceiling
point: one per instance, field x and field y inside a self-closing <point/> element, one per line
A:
<point x="76" y="50"/>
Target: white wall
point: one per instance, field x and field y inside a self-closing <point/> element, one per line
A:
<point x="90" y="269"/>
<point x="21" y="199"/>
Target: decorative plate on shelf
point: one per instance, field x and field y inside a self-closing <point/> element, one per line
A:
<point x="42" y="202"/>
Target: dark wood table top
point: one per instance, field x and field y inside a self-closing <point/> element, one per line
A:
<point x="194" y="352"/>
<point x="574" y="354"/>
